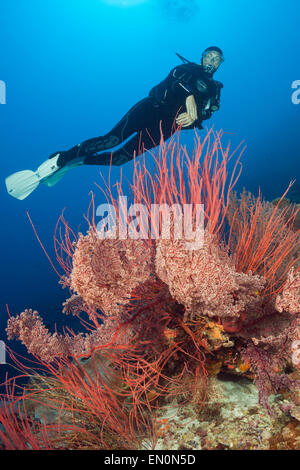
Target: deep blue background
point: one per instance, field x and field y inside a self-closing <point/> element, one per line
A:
<point x="74" y="67"/>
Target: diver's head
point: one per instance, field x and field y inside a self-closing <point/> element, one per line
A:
<point x="211" y="59"/>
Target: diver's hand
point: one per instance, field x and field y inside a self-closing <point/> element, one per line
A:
<point x="191" y="107"/>
<point x="184" y="120"/>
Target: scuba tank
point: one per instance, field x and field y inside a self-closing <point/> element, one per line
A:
<point x="185" y="61"/>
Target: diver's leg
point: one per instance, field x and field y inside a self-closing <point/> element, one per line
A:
<point x="132" y="122"/>
<point x="143" y="141"/>
<point x="118" y="157"/>
<point x="21" y="184"/>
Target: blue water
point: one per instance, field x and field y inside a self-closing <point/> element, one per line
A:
<point x="73" y="68"/>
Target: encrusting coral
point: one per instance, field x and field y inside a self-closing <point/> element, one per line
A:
<point x="160" y="312"/>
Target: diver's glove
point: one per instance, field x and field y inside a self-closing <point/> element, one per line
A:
<point x="184" y="120"/>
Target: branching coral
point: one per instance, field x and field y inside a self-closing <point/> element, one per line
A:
<point x="289" y="300"/>
<point x="267" y="365"/>
<point x="28" y="327"/>
<point x="105" y="272"/>
<point x="205" y="280"/>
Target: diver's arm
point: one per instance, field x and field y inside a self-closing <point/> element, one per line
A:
<point x="191" y="115"/>
<point x="181" y="81"/>
<point x="191" y="107"/>
<point x="200" y="113"/>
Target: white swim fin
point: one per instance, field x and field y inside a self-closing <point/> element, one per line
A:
<point x="23" y="183"/>
<point x="57" y="175"/>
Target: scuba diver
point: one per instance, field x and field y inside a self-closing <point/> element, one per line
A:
<point x="187" y="96"/>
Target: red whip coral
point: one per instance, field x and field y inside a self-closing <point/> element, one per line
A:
<point x="178" y="178"/>
<point x="262" y="238"/>
<point x="18" y="431"/>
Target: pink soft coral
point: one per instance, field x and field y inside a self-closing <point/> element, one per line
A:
<point x="28" y="327"/>
<point x="289" y="300"/>
<point x="106" y="271"/>
<point x="205" y="280"/>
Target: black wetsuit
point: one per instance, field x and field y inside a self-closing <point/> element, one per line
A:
<point x="165" y="101"/>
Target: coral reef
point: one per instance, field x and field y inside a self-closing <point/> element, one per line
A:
<point x="231" y="419"/>
<point x="164" y="316"/>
